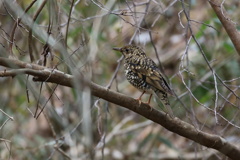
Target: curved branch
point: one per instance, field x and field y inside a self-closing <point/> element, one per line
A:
<point x="172" y="124"/>
<point x="227" y="23"/>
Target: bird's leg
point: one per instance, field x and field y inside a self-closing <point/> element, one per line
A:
<point x="140" y="97"/>
<point x="149" y="100"/>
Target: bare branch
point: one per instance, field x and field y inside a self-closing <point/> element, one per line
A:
<point x="30" y="30"/>
<point x="229" y="26"/>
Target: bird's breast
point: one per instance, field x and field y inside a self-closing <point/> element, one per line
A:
<point x="137" y="81"/>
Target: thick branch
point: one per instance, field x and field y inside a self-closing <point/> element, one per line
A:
<point x="227" y="23"/>
<point x="175" y="125"/>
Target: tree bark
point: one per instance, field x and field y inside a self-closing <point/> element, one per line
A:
<point x="227" y="23"/>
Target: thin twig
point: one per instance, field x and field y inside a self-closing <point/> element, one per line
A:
<point x="15" y="26"/>
<point x="46" y="101"/>
<point x="68" y="22"/>
<point x="30" y="41"/>
<point x="7" y="115"/>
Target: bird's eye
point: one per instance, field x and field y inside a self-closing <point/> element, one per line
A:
<point x="127" y="50"/>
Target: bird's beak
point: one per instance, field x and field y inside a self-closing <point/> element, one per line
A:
<point x="117" y="49"/>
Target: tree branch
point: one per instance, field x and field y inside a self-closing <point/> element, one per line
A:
<point x="227" y="23"/>
<point x="175" y="125"/>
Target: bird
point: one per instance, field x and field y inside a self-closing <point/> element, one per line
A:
<point x="143" y="73"/>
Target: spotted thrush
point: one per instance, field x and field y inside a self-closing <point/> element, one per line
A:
<point x="143" y="73"/>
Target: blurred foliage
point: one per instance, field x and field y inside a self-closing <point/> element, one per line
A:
<point x="60" y="133"/>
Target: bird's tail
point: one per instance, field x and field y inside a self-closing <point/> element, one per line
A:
<point x="164" y="99"/>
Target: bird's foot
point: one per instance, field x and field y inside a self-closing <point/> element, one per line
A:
<point x="139" y="101"/>
<point x="147" y="103"/>
<point x="151" y="108"/>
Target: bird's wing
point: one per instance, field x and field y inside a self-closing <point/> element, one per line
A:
<point x="148" y="70"/>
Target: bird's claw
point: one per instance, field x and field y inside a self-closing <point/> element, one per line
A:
<point x="140" y="102"/>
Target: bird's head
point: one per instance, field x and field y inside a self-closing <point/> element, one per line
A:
<point x="130" y="50"/>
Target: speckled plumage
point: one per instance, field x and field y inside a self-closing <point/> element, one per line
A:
<point x="143" y="73"/>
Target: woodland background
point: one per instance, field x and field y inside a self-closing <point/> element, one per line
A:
<point x="40" y="120"/>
